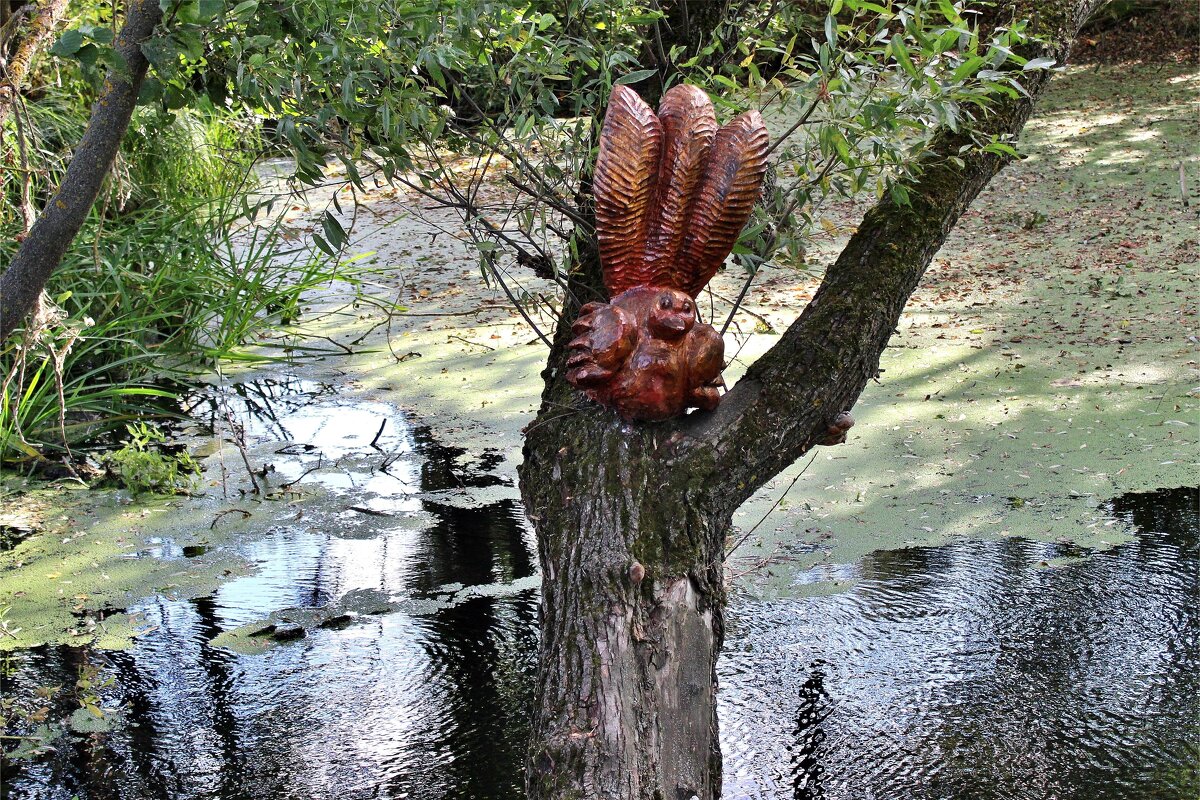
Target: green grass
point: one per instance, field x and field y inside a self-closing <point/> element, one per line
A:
<point x="170" y="275"/>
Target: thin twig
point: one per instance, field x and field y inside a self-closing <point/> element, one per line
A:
<point x="348" y="351"/>
<point x="512" y="299"/>
<point x="479" y="310"/>
<point x="27" y="210"/>
<point x="379" y="432"/>
<point x="372" y="512"/>
<point x="774" y="505"/>
<point x="803" y="119"/>
<point x="238" y="432"/>
<point x="221" y="515"/>
<point x="468" y="341"/>
<point x="303" y="475"/>
<point x="770" y="247"/>
<point x="737" y="304"/>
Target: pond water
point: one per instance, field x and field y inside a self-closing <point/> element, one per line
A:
<point x="983" y="669"/>
<point x="399" y="660"/>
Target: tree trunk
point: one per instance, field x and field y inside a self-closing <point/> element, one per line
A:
<point x="632" y="613"/>
<point x="47" y="243"/>
<point x="689" y="25"/>
<point x="631" y="519"/>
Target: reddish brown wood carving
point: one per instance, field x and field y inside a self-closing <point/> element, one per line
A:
<point x="672" y="194"/>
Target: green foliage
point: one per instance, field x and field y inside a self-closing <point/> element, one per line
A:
<point x="389" y="86"/>
<point x="401" y="90"/>
<point x="142" y="465"/>
<point x="174" y="270"/>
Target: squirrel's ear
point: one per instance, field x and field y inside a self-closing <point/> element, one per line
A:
<point x="623" y="183"/>
<point x="724" y="199"/>
<point x="689" y="126"/>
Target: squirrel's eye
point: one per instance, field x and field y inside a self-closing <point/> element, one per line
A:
<point x="687" y="306"/>
<point x="664" y="302"/>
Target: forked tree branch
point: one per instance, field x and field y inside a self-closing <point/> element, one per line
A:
<point x="820" y="366"/>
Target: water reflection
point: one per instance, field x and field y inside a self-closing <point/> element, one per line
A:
<point x="420" y="705"/>
<point x="1006" y="669"/>
<point x="1003" y="669"/>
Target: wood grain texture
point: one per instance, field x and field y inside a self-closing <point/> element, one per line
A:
<point x="724" y="200"/>
<point x="672" y="191"/>
<point x="646" y="354"/>
<point x="624" y="181"/>
<point x="689" y="127"/>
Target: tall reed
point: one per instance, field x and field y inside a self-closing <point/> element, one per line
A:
<point x="169" y="276"/>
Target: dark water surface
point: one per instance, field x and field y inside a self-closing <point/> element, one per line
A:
<point x="984" y="669"/>
<point x="999" y="669"/>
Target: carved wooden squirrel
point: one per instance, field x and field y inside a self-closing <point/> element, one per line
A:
<point x="672" y="194"/>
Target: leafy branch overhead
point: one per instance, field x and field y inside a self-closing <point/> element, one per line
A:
<point x="385" y="87"/>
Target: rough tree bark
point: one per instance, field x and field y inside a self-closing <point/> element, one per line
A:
<point x="22" y="36"/>
<point x="42" y="251"/>
<point x="632" y="519"/>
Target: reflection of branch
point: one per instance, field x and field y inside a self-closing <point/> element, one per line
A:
<point x="239" y="439"/>
<point x="479" y="310"/>
<point x="373" y="512"/>
<point x="336" y="343"/>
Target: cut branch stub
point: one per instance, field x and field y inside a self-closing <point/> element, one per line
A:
<point x="672" y="195"/>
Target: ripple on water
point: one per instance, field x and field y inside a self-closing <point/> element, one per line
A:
<point x="1006" y="669"/>
<point x="978" y="670"/>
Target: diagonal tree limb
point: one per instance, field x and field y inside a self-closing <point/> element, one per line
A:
<point x="790" y="396"/>
<point x="43" y="250"/>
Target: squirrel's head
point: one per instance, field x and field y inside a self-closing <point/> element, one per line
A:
<point x="672" y="315"/>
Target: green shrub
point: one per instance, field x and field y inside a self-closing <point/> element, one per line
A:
<point x="142" y="465"/>
<point x="168" y="276"/>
